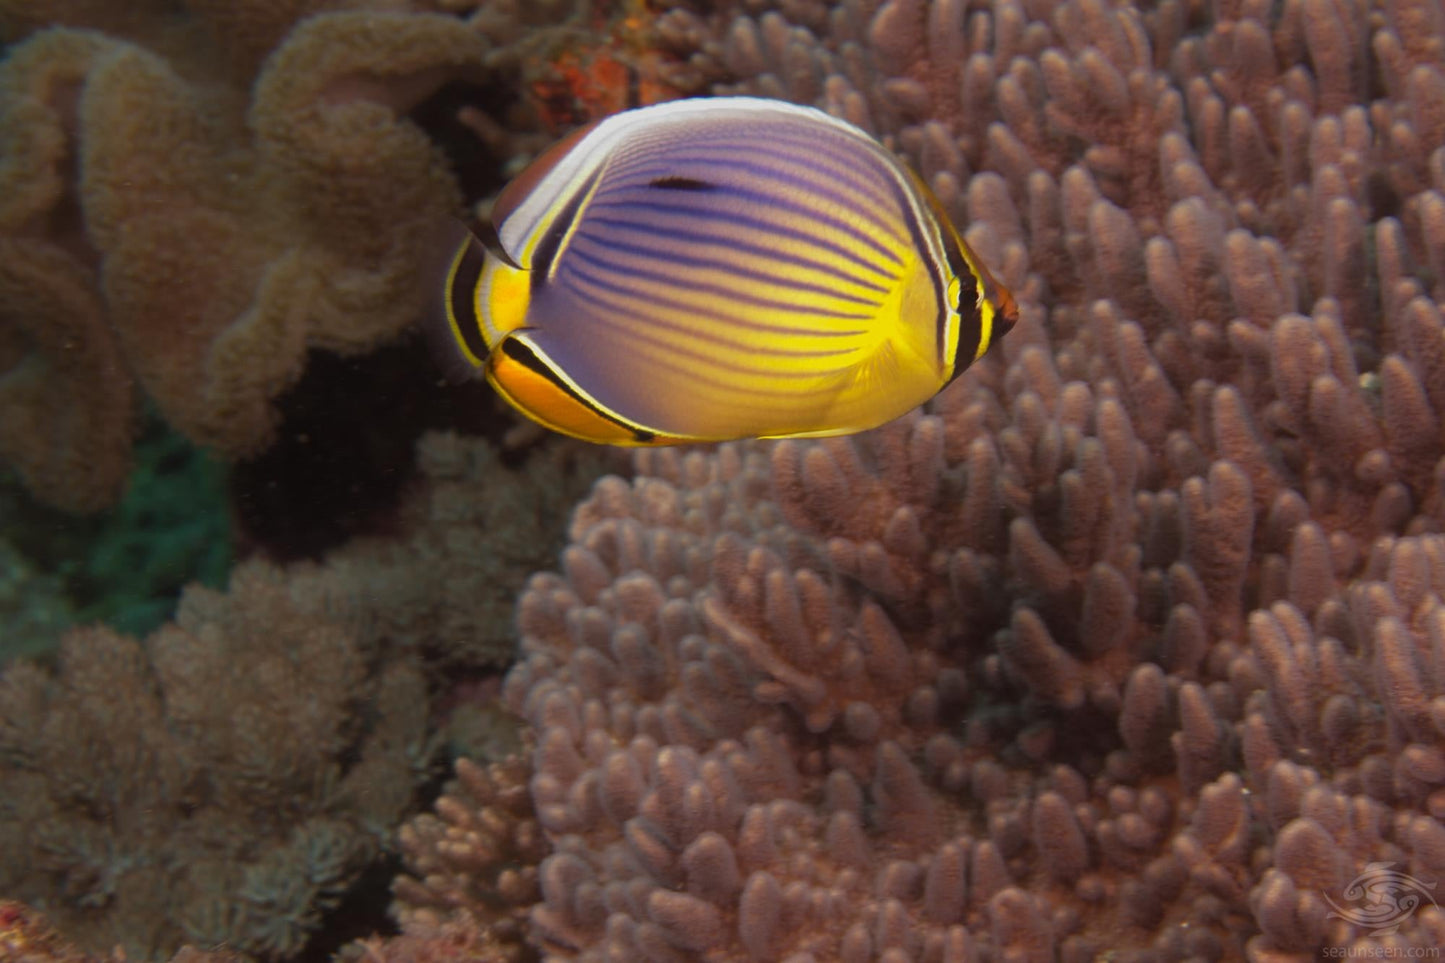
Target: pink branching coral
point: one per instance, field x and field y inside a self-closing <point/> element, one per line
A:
<point x="845" y="699"/>
<point x="475" y="863"/>
<point x="1129" y="644"/>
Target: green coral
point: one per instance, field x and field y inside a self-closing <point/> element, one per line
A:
<point x="125" y="567"/>
<point x="33" y="607"/>
<point x="171" y="529"/>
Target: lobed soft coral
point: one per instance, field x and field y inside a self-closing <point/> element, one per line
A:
<point x="183" y="222"/>
<point x="194" y="195"/>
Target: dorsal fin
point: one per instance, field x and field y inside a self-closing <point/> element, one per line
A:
<point x="521" y="186"/>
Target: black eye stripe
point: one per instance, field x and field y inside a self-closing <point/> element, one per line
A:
<point x="461" y="292"/>
<point x="970" y="320"/>
<point x="970" y="327"/>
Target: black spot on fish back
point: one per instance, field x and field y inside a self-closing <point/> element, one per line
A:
<point x="549" y="246"/>
<point x="681" y="184"/>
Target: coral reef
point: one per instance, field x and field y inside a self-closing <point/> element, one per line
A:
<point x="225" y="781"/>
<point x="194" y="195"/>
<point x="1129" y="644"/>
<point x="178" y="221"/>
<point x="444" y="588"/>
<point x="220" y="784"/>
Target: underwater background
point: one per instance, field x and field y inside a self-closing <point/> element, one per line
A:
<point x="1129" y="646"/>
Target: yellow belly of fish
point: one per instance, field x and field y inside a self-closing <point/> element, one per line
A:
<point x="889" y="383"/>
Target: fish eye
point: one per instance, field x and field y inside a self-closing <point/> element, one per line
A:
<point x="962" y="272"/>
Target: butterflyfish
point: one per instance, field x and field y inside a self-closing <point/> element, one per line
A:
<point x="719" y="268"/>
